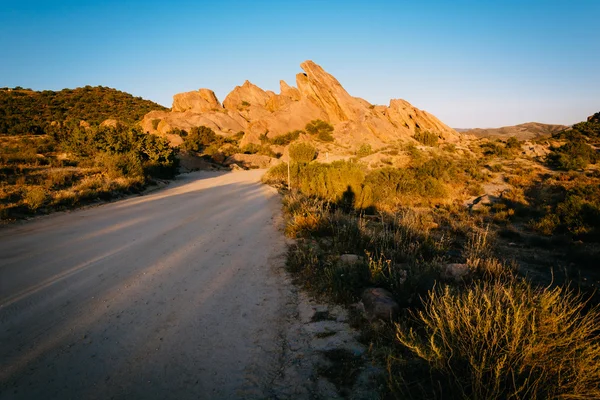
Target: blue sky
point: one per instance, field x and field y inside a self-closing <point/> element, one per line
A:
<point x="470" y="63"/>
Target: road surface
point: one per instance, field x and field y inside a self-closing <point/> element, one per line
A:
<point x="175" y="294"/>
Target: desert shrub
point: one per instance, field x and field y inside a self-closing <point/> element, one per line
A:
<point x="321" y="129"/>
<point x="119" y="165"/>
<point x="180" y="132"/>
<point x="546" y="225"/>
<point x="264" y="138"/>
<point x="330" y="181"/>
<point x="364" y="150"/>
<point x="388" y="183"/>
<point x="155" y="123"/>
<point x="198" y="139"/>
<point x="566" y="207"/>
<point x="496" y="149"/>
<point x="35" y="197"/>
<point x="114" y="147"/>
<point x="283" y="140"/>
<point x="427" y="138"/>
<point x="575" y="154"/>
<point x="508" y="340"/>
<point x="276" y="175"/>
<point x="302" y="152"/>
<point x="513" y="143"/>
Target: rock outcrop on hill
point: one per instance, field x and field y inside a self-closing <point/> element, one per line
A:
<point x="318" y="95"/>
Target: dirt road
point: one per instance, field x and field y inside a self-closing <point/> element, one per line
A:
<point x="174" y="294"/>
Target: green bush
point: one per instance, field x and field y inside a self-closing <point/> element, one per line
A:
<point x="199" y="138"/>
<point x="283" y="140"/>
<point x="321" y="129"/>
<point x="118" y="165"/>
<point x="329" y="181"/>
<point x="427" y="138"/>
<point x="114" y="147"/>
<point x="575" y="154"/>
<point x="497" y="149"/>
<point x="302" y="152"/>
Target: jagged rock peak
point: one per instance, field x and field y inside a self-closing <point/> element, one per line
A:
<point x="247" y="94"/>
<point x="327" y="93"/>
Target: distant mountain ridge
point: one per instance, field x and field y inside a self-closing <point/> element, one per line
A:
<point x="526" y="131"/>
<point x="317" y="95"/>
<point x="25" y="111"/>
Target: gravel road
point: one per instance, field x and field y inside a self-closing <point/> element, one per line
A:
<point x="175" y="294"/>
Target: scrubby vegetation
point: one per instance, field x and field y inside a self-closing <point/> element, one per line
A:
<point x="499" y="340"/>
<point x="321" y="129"/>
<point x="427" y="138"/>
<point x="29" y="112"/>
<point x="577" y="152"/>
<point x="71" y="167"/>
<point x="425" y="182"/>
<point x="487" y="310"/>
<point x="283" y="140"/>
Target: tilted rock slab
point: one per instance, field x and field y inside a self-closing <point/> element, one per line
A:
<point x="318" y="95"/>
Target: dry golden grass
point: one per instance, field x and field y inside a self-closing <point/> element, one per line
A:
<point x="509" y="341"/>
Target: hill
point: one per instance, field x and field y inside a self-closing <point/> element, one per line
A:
<point x="318" y="96"/>
<point x="24" y="111"/>
<point x="529" y="130"/>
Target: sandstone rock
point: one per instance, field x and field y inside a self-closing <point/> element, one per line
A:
<point x="379" y="304"/>
<point x="113" y="123"/>
<point x="199" y="101"/>
<point x="456" y="272"/>
<point x="84" y="124"/>
<point x="318" y="95"/>
<point x="235" y="167"/>
<point x="244" y="96"/>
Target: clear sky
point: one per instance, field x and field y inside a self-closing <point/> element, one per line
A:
<point x="471" y="63"/>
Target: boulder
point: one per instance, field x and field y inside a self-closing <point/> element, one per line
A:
<point x="199" y="101"/>
<point x="379" y="304"/>
<point x="113" y="123"/>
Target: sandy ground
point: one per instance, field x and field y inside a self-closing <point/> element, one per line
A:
<point x="176" y="294"/>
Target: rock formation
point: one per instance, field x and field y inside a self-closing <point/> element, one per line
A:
<point x="318" y="95"/>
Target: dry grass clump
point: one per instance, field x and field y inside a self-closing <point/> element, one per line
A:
<point x="508" y="341"/>
<point x="307" y="216"/>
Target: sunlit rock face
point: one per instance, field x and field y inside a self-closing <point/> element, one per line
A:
<point x="317" y="95"/>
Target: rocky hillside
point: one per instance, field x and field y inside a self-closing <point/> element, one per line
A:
<point x="317" y="96"/>
<point x="527" y="131"/>
<point x="24" y="111"/>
